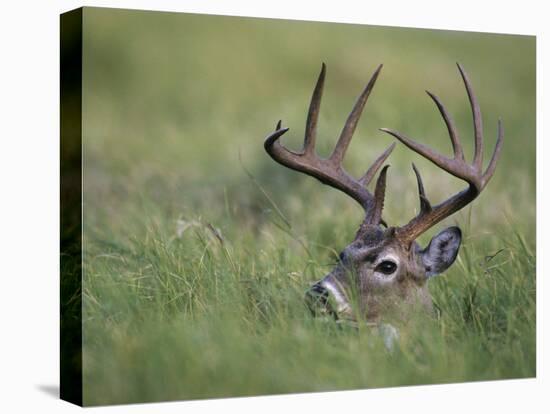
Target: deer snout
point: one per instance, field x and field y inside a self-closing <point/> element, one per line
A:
<point x="325" y="299"/>
<point x="317" y="299"/>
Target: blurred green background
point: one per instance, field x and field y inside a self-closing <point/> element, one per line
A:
<point x="198" y="246"/>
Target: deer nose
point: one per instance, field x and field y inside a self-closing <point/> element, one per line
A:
<point x="317" y="300"/>
<point x="342" y="257"/>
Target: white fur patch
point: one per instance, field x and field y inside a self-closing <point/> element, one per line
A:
<point x="390" y="335"/>
<point x="343" y="305"/>
<point x="390" y="257"/>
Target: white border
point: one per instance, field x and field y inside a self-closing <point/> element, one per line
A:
<point x="29" y="220"/>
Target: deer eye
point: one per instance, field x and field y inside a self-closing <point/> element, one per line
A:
<point x="387" y="267"/>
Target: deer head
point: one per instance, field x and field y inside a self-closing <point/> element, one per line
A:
<point x="384" y="271"/>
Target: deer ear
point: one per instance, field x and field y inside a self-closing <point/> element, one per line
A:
<point x="442" y="251"/>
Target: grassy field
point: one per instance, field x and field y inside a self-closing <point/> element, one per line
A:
<point x="199" y="247"/>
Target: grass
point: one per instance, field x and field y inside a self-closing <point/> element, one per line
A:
<point x="198" y="248"/>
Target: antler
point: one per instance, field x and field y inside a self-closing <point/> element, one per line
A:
<point x="330" y="171"/>
<point x="457" y="166"/>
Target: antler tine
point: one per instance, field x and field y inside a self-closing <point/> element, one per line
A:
<point x="447" y="164"/>
<point x="476" y="114"/>
<point x="379" y="195"/>
<point x="425" y="205"/>
<point x="272" y="144"/>
<point x="313" y="113"/>
<point x="453" y="134"/>
<point x="457" y="166"/>
<point x="329" y="171"/>
<point x="496" y="154"/>
<point x="371" y="172"/>
<point x="351" y="123"/>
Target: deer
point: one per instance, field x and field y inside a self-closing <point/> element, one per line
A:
<point x="383" y="274"/>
